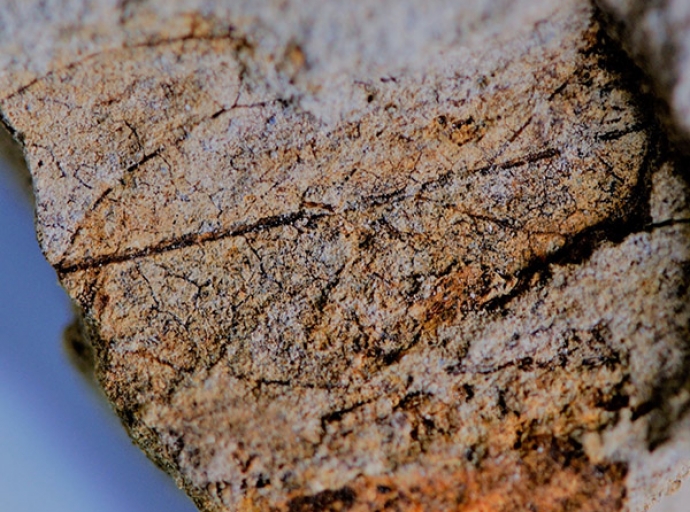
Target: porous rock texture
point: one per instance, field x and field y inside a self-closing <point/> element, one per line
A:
<point x="365" y="256"/>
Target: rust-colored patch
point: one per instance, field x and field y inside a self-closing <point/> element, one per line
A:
<point x="551" y="475"/>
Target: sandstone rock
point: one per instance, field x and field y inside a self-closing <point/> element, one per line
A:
<point x="448" y="271"/>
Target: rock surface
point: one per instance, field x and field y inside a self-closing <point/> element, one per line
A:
<point x="327" y="267"/>
<point x="657" y="35"/>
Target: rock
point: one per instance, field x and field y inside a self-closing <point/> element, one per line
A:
<point x="442" y="272"/>
<point x="657" y="35"/>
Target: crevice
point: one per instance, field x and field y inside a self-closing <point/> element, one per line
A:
<point x="530" y="158"/>
<point x="141" y="162"/>
<point x="666" y="223"/>
<point x="633" y="217"/>
<point x="188" y="240"/>
<point x="619" y="134"/>
<point x="338" y="415"/>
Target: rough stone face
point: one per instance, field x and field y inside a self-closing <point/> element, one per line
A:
<point x="453" y="283"/>
<point x="657" y="35"/>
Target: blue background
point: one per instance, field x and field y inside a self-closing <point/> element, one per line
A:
<point x="61" y="447"/>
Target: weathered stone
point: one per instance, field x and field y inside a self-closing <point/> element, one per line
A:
<point x="363" y="278"/>
<point x="657" y="35"/>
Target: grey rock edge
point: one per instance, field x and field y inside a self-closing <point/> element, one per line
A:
<point x="374" y="256"/>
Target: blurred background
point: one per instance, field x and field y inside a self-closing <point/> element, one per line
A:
<point x="61" y="447"/>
